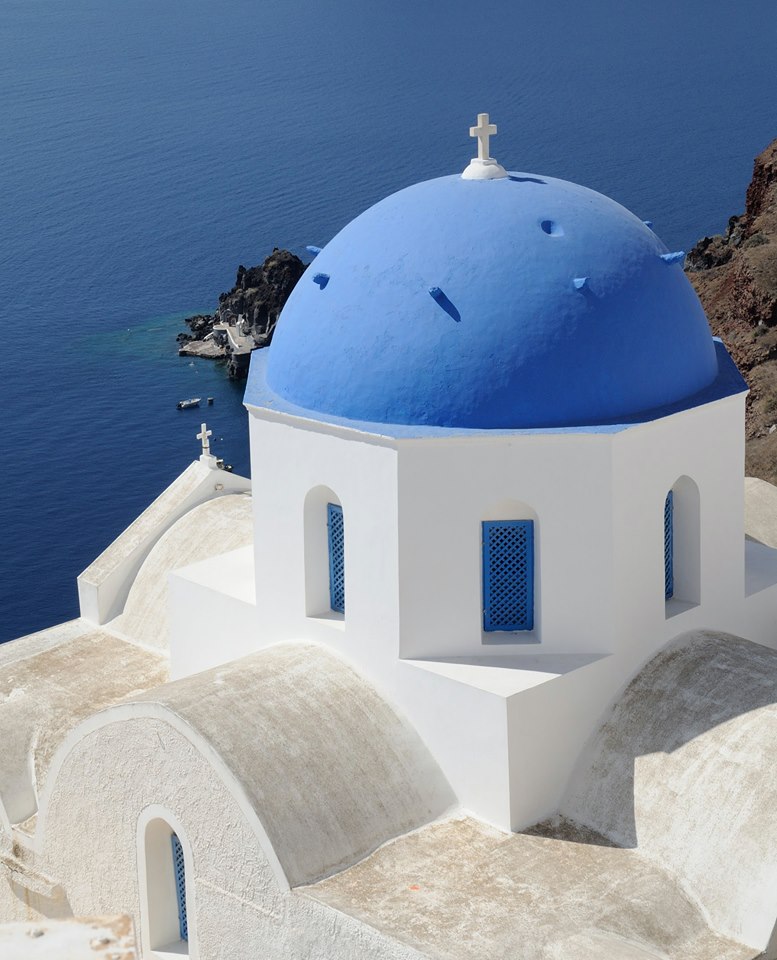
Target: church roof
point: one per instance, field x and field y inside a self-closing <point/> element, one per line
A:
<point x="518" y="302"/>
<point x="49" y="682"/>
<point x="330" y="770"/>
<point x="461" y="890"/>
<point x="680" y="769"/>
<point x="211" y="528"/>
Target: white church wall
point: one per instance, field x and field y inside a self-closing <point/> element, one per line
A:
<point x="203" y="598"/>
<point x="290" y="536"/>
<point x="549" y="725"/>
<point x="696" y="450"/>
<point x="698" y="454"/>
<point x="142" y="769"/>
<point x="465" y="728"/>
<point x="447" y="488"/>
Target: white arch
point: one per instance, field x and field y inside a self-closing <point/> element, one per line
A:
<point x="155" y="711"/>
<point x="157" y="895"/>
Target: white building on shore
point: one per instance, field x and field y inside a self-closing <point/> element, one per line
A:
<point x="480" y="663"/>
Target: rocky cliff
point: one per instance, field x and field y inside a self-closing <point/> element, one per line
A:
<point x="735" y="276"/>
<point x="250" y="310"/>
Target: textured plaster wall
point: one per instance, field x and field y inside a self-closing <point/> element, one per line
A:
<point x="45" y="694"/>
<point x="239" y="911"/>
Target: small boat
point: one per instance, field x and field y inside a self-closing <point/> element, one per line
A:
<point x="210" y="401"/>
<point x="188" y="404"/>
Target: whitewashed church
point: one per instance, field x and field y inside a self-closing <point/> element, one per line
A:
<point x="482" y="662"/>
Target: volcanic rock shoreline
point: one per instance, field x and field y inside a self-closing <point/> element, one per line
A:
<point x="735" y="276"/>
<point x="246" y="315"/>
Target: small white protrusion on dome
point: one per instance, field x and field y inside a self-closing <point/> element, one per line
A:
<point x="204" y="435"/>
<point x="483" y="167"/>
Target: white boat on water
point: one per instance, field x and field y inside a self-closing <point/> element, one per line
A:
<point x="188" y="404"/>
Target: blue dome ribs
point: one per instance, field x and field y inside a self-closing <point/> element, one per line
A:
<point x="322" y="279"/>
<point x="439" y="297"/>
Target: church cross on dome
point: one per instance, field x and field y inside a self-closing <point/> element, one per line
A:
<point x="483" y="167"/>
<point x="203" y="435"/>
<point x="483" y="131"/>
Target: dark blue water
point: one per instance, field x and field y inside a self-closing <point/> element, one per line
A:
<point x="147" y="148"/>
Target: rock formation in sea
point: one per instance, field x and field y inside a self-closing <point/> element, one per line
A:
<point x="246" y="315"/>
<point x="735" y="276"/>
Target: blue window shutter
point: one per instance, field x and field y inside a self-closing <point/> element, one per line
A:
<point x="336" y="534"/>
<point x="669" y="546"/>
<point x="508" y="575"/>
<point x="180" y="886"/>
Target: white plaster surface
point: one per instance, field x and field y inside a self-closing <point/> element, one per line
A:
<point x="328" y="766"/>
<point x="202" y="599"/>
<point x="211" y="528"/>
<point x="56" y="679"/>
<point x="761" y="511"/>
<point x="681" y="770"/>
<point x="104" y="585"/>
<point x="82" y="939"/>
<point x="459" y="890"/>
<point x="238" y="911"/>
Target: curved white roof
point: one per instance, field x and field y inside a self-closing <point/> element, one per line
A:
<point x="681" y="770"/>
<point x="329" y="768"/>
<point x="211" y="528"/>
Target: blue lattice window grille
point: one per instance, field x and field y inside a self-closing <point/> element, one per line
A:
<point x="180" y="886"/>
<point x="508" y="575"/>
<point x="336" y="557"/>
<point x="669" y="546"/>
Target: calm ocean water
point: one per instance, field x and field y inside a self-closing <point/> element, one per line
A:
<point x="147" y="148"/>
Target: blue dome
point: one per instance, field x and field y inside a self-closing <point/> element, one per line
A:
<point x="510" y="303"/>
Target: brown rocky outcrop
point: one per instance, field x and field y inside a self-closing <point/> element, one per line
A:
<point x="257" y="297"/>
<point x="735" y="276"/>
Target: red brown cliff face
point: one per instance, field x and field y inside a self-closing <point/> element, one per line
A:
<point x="735" y="276"/>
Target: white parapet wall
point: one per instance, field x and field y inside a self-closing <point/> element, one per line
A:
<point x="104" y="586"/>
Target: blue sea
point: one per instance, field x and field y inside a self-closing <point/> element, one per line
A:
<point x="147" y="148"/>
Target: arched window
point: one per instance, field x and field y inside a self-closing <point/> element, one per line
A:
<point x="336" y="541"/>
<point x="165" y="904"/>
<point x="179" y="869"/>
<point x="324" y="552"/>
<point x="682" y="546"/>
<point x="669" y="546"/>
<point x="508" y="575"/>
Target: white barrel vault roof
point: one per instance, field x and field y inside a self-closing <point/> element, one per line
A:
<point x="329" y="768"/>
<point x="211" y="528"/>
<point x="684" y="770"/>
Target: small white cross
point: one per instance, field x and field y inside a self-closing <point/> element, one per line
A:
<point x="203" y="435"/>
<point x="483" y="131"/>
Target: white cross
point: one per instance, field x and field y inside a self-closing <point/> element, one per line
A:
<point x="203" y="435"/>
<point x="483" y="131"/>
